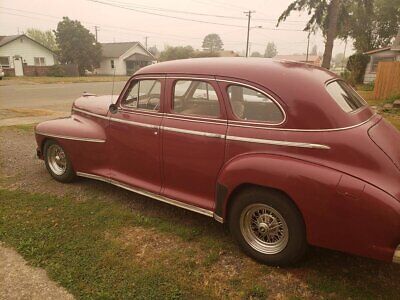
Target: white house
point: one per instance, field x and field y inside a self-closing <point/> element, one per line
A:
<point x="390" y="53"/>
<point x="123" y="58"/>
<point x="16" y="50"/>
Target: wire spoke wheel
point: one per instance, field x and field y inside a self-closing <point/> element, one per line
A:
<point x="264" y="228"/>
<point x="57" y="159"/>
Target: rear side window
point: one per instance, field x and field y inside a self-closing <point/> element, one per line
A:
<point x="345" y="96"/>
<point x="252" y="105"/>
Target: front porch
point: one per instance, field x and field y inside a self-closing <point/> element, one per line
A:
<point x="135" y="62"/>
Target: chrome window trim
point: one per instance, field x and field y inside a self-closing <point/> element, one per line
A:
<point x="164" y="199"/>
<point x="262" y="92"/>
<point x="148" y="113"/>
<point x="199" y="120"/>
<point x="277" y="142"/>
<point x="194" y="132"/>
<point x="65" y="137"/>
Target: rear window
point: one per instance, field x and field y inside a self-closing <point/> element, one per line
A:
<point x="345" y="96"/>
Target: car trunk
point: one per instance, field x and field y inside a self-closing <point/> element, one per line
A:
<point x="387" y="138"/>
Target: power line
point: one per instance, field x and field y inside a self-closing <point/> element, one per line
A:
<point x="112" y="4"/>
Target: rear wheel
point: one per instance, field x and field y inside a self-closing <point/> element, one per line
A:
<point x="57" y="162"/>
<point x="268" y="226"/>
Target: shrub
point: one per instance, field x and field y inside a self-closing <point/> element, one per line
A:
<point x="357" y="64"/>
<point x="56" y="71"/>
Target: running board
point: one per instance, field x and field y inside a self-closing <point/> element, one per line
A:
<point x="177" y="203"/>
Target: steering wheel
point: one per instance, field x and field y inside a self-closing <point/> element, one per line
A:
<point x="150" y="100"/>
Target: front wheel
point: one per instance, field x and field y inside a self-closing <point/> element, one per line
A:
<point x="57" y="162"/>
<point x="268" y="227"/>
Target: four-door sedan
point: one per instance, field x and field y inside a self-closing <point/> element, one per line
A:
<point x="286" y="153"/>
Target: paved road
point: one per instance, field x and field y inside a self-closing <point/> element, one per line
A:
<point x="56" y="97"/>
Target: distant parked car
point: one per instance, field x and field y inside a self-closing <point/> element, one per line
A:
<point x="1" y="73"/>
<point x="286" y="153"/>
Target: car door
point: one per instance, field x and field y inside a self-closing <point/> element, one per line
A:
<point x="134" y="135"/>
<point x="193" y="140"/>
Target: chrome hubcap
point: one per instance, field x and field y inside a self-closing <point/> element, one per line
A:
<point x="264" y="228"/>
<point x="56" y="159"/>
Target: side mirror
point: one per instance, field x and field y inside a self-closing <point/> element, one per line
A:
<point x="113" y="108"/>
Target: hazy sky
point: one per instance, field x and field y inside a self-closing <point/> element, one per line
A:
<point x="116" y="24"/>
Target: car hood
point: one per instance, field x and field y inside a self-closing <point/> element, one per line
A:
<point x="95" y="104"/>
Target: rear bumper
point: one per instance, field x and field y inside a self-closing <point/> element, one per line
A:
<point x="396" y="256"/>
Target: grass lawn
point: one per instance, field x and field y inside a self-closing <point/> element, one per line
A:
<point x="48" y="79"/>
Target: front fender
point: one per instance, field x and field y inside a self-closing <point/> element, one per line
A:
<point x="83" y="137"/>
<point x="337" y="208"/>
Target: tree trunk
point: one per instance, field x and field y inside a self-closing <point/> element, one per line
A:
<point x="333" y="14"/>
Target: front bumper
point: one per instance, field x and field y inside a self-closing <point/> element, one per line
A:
<point x="396" y="256"/>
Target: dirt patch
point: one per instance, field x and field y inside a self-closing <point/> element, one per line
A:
<point x="20" y="281"/>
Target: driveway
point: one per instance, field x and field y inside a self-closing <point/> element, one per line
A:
<point x="24" y="104"/>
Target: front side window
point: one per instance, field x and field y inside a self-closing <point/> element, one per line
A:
<point x="252" y="105"/>
<point x="39" y="61"/>
<point x="345" y="96"/>
<point x="4" y="61"/>
<point x="143" y="94"/>
<point x="195" y="97"/>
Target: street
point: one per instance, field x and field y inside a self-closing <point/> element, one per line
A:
<point x="32" y="103"/>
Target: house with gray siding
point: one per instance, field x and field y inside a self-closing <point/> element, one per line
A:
<point x="123" y="58"/>
<point x="390" y="53"/>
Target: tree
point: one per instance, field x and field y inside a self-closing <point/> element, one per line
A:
<point x="314" y="50"/>
<point x="324" y="15"/>
<point x="270" y="51"/>
<point x="357" y="64"/>
<point x="256" y="54"/>
<point x="372" y="23"/>
<point x="172" y="53"/>
<point x="46" y="38"/>
<point x="77" y="45"/>
<point x="154" y="50"/>
<point x="212" y="42"/>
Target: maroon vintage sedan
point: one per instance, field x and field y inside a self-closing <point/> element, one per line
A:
<point x="286" y="153"/>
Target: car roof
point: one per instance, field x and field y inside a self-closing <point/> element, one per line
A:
<point x="299" y="87"/>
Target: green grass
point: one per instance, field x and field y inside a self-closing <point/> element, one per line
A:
<point x="67" y="238"/>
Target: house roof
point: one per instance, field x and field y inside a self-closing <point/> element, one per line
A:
<point x="377" y="50"/>
<point x="298" y="57"/>
<point x="5" y="39"/>
<point x="116" y="49"/>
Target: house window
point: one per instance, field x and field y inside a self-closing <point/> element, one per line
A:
<point x="376" y="60"/>
<point x="39" y="61"/>
<point x="112" y="64"/>
<point x="5" y="61"/>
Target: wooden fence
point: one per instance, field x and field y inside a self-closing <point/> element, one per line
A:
<point x="387" y="83"/>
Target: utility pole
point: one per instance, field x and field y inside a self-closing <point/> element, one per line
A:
<point x="145" y="41"/>
<point x="308" y="44"/>
<point x="96" y="29"/>
<point x="248" y="14"/>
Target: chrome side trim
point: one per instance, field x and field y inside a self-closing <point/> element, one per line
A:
<point x="134" y="123"/>
<point x="396" y="256"/>
<point x="262" y="92"/>
<point x="195" y="120"/>
<point x="218" y="218"/>
<point x="71" y="137"/>
<point x="90" y="113"/>
<point x="193" y="132"/>
<point x="177" y="203"/>
<point x="277" y="143"/>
